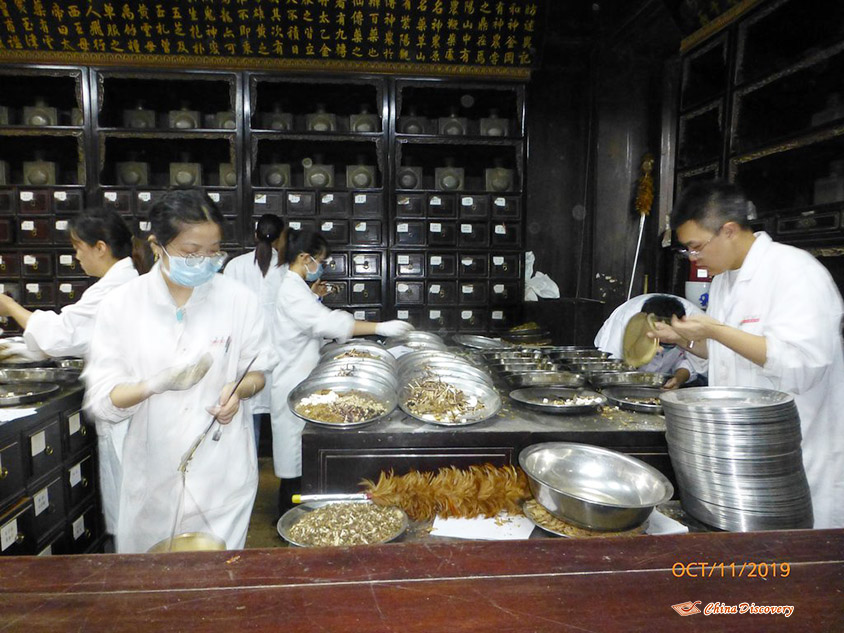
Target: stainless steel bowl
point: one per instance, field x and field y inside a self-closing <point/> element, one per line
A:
<point x="630" y="398"/>
<point x="545" y="379"/>
<point x="358" y="367"/>
<point x="627" y="379"/>
<point x="422" y="357"/>
<point x="189" y="542"/>
<point x="39" y="374"/>
<point x="475" y="341"/>
<point x="558" y="400"/>
<point x="13" y="394"/>
<point x="593" y="487"/>
<point x="77" y="364"/>
<point x="367" y="348"/>
<point x="375" y="388"/>
<point x="294" y="515"/>
<point x="416" y="340"/>
<point x="445" y="370"/>
<point x="578" y="355"/>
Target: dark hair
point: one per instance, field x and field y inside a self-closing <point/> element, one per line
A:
<point x="170" y="213"/>
<point x="103" y="225"/>
<point x="712" y="205"/>
<point x="305" y="241"/>
<point x="267" y="231"/>
<point x="664" y="306"/>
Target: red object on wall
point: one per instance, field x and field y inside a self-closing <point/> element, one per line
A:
<point x="698" y="273"/>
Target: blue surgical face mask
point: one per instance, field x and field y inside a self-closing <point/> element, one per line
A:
<point x="311" y="277"/>
<point x="197" y="271"/>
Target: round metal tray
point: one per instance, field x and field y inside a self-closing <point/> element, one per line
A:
<point x="294" y="515"/>
<point x="445" y="370"/>
<point x="627" y="379"/>
<point x="545" y="379"/>
<point x="372" y="349"/>
<point x="485" y="394"/>
<point x="479" y="342"/>
<point x="39" y="374"/>
<point x="342" y="384"/>
<point x="621" y="397"/>
<point x="13" y="394"/>
<point x="541" y="399"/>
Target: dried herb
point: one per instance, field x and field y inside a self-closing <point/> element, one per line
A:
<point x="348" y="524"/>
<point x="327" y="405"/>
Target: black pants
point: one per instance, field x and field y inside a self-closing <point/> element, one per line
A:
<point x="286" y="489"/>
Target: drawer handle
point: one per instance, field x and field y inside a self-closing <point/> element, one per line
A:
<point x="49" y="450"/>
<point x="504" y="267"/>
<point x="20" y="538"/>
<point x="441" y="293"/>
<point x="4" y="472"/>
<point x="83" y="431"/>
<point x="87" y="534"/>
<point x="366" y="294"/>
<point x="366" y="265"/>
<point x="84" y="482"/>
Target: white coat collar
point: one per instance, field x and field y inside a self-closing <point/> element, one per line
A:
<point x="118" y="267"/>
<point x="161" y="293"/>
<point x="758" y="250"/>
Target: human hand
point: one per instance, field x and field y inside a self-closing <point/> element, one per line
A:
<point x="321" y="289"/>
<point x="680" y="377"/>
<point x="393" y="328"/>
<point x="665" y="334"/>
<point x="695" y="327"/>
<point x="227" y="406"/>
<point x="180" y="378"/>
<point x="6" y="305"/>
<point x="16" y="350"/>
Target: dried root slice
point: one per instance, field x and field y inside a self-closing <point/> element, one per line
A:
<point x="334" y="407"/>
<point x="544" y="519"/>
<point x="451" y="492"/>
<point x="347" y="524"/>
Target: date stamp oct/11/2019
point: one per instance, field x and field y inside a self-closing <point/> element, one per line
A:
<point x="746" y="569"/>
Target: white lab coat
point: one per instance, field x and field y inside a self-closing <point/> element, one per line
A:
<point x="140" y="332"/>
<point x="68" y="333"/>
<point x="787" y="296"/>
<point x="245" y="269"/>
<point x="610" y="338"/>
<point x="300" y="325"/>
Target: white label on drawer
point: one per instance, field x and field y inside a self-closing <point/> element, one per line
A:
<point x="360" y="198"/>
<point x="499" y="202"/>
<point x="327" y="226"/>
<point x="66" y="260"/>
<point x="38" y="443"/>
<point x="435" y="201"/>
<point x="402" y="228"/>
<point x="467" y="261"/>
<point x="65" y="288"/>
<point x="434" y="289"/>
<point x="214" y="196"/>
<point x="436" y="227"/>
<point x="60" y="195"/>
<point x="360" y="315"/>
<point x="467" y="290"/>
<point x="61" y="225"/>
<point x="361" y="259"/>
<point x="29" y="260"/>
<point x="328" y="197"/>
<point x="33" y="288"/>
<point x="501" y="229"/>
<point x="111" y="196"/>
<point x="296" y="226"/>
<point x="74" y="423"/>
<point x="466" y="315"/>
<point x="402" y="287"/>
<point x="498" y="288"/>
<point x="26" y="196"/>
<point x="358" y="288"/>
<point x="402" y="314"/>
<point x="403" y="259"/>
<point x="467" y="201"/>
<point x="75" y="474"/>
<point x="434" y="314"/>
<point x="436" y="260"/>
<point x="2" y="288"/>
<point x="145" y="226"/>
<point x="498" y="261"/>
<point x="27" y="225"/>
<point x="41" y="501"/>
<point x="47" y="551"/>
<point x="403" y="200"/>
<point x="8" y="534"/>
<point x="293" y="198"/>
<point x="465" y="228"/>
<point x="260" y="198"/>
<point x="498" y="315"/>
<point x="360" y="226"/>
<point x="2" y="260"/>
<point x="144" y="196"/>
<point x="78" y="527"/>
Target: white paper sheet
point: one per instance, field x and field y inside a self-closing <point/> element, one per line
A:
<point x="504" y="527"/>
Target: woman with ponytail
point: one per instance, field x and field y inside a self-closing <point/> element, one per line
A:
<point x="261" y="270"/>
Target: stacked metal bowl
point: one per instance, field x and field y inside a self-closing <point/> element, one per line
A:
<point x="414" y="341"/>
<point x="736" y="453"/>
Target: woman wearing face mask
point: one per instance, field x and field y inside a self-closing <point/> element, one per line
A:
<point x="104" y="249"/>
<point x="261" y="271"/>
<point x="166" y="353"/>
<point x="300" y="327"/>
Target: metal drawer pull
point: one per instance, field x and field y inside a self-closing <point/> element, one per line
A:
<point x="4" y="472"/>
<point x="20" y="538"/>
<point x="48" y="450"/>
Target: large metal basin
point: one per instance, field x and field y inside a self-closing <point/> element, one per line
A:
<point x="593" y="487"/>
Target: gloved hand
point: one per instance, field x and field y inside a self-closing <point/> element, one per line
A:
<point x="181" y="377"/>
<point x="393" y="328"/>
<point x="16" y="350"/>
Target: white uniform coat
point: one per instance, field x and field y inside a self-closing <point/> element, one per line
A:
<point x="245" y="269"/>
<point x="787" y="296"/>
<point x="140" y="332"/>
<point x="610" y="338"/>
<point x="301" y="323"/>
<point x="68" y="333"/>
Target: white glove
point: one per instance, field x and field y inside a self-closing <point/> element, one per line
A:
<point x="393" y="328"/>
<point x="16" y="350"/>
<point x="180" y="378"/>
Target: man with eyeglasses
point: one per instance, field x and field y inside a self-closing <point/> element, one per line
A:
<point x="774" y="321"/>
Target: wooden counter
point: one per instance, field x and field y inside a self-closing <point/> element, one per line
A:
<point x="538" y="585"/>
